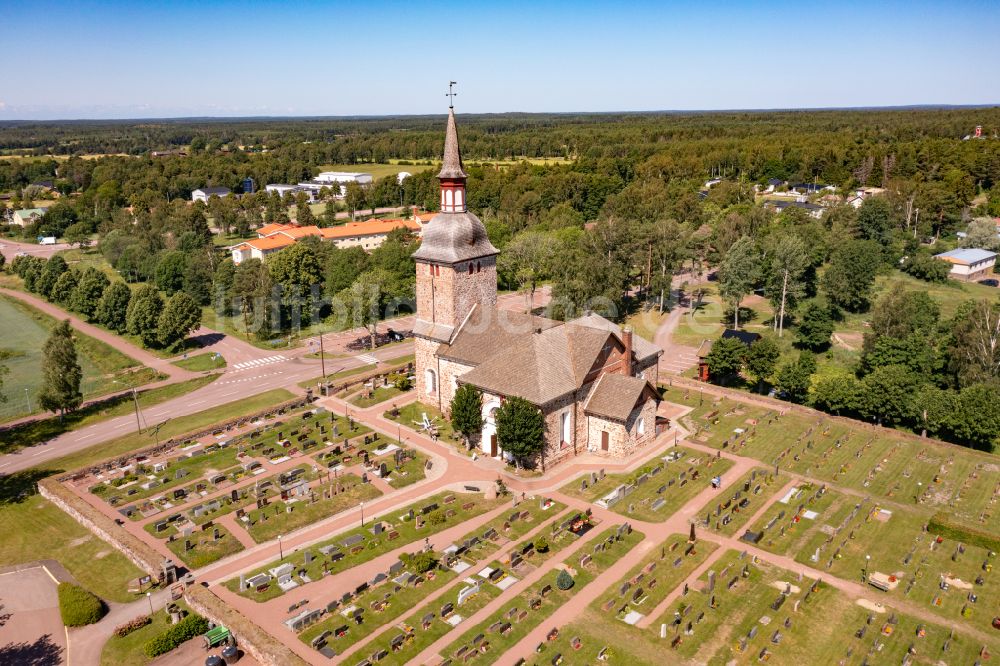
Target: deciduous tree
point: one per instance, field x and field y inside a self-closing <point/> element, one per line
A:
<point x="520" y="430"/>
<point x="112" y="309"/>
<point x="143" y="314"/>
<point x="61" y="372"/>
<point x="738" y="274"/>
<point x="180" y="316"/>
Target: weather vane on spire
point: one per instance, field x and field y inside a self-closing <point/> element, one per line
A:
<point x="451" y="95"/>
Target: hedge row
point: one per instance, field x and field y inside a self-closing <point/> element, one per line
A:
<point x="79" y="607"/>
<point x="191" y="626"/>
<point x="123" y="630"/>
<point x="942" y="525"/>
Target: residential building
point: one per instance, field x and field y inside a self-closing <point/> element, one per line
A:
<point x="969" y="264"/>
<point x="259" y="248"/>
<point x="26" y="216"/>
<point x="813" y="210"/>
<point x="367" y="235"/>
<point x="592" y="381"/>
<point x="203" y="193"/>
<point x="333" y="179"/>
<point x="863" y="193"/>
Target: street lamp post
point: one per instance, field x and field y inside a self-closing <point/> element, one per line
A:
<point x="149" y="598"/>
<point x="362" y="505"/>
<point x="281" y="553"/>
<point x="868" y="560"/>
<point x="27" y="399"/>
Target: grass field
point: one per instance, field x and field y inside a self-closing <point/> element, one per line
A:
<point x="202" y="362"/>
<point x="904" y="470"/>
<point x="303" y="513"/>
<point x="381" y="394"/>
<point x="33" y="432"/>
<point x="666" y="484"/>
<point x="411" y="415"/>
<point x="205" y="548"/>
<point x="35" y="529"/>
<point x="23" y="331"/>
<point x="377" y="170"/>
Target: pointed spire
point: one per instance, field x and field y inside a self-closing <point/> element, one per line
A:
<point x="452" y="166"/>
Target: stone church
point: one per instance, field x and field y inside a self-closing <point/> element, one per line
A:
<point x="593" y="381"/>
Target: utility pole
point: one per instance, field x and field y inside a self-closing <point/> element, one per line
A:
<point x="138" y="423"/>
<point x="322" y="356"/>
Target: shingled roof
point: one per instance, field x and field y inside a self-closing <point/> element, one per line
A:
<point x="452" y="165"/>
<point x="615" y="396"/>
<point x="490" y="329"/>
<point x="450" y="238"/>
<point x="539" y="366"/>
<point x="641" y="347"/>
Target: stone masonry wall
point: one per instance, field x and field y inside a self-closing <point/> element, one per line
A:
<point x="105" y="529"/>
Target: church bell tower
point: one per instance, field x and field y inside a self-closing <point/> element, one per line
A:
<point x="456" y="271"/>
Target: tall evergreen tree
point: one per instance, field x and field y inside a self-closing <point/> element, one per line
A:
<point x="467" y="412"/>
<point x="520" y="430"/>
<point x="61" y="372"/>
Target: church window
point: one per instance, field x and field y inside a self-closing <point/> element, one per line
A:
<point x="641" y="429"/>
<point x="566" y="431"/>
<point x="479" y="267"/>
<point x="430" y="379"/>
<point x="448" y="199"/>
<point x="470" y="268"/>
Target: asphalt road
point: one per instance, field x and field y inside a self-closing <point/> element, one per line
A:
<point x="10" y="249"/>
<point x="249" y="371"/>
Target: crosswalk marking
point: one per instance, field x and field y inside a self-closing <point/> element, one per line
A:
<point x="367" y="358"/>
<point x="259" y="362"/>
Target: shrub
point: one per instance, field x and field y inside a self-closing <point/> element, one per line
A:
<point x="191" y="626"/>
<point x="422" y="561"/>
<point x="437" y="518"/>
<point x="564" y="581"/>
<point x="943" y="525"/>
<point x="542" y="544"/>
<point x="79" y="607"/>
<point x="401" y="381"/>
<point x="123" y="630"/>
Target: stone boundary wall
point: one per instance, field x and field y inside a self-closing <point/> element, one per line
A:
<point x="360" y="378"/>
<point x="782" y="406"/>
<point x="253" y="640"/>
<point x="104" y="528"/>
<point x="180" y="439"/>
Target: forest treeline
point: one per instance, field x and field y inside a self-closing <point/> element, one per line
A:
<point x="608" y="228"/>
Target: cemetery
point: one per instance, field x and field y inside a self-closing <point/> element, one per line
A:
<point x="470" y="586"/>
<point x="728" y="512"/>
<point x="654" y="492"/>
<point x="487" y="641"/>
<point x="204" y="545"/>
<point x="382" y="533"/>
<point x="963" y="483"/>
<point x="745" y="611"/>
<point x="889" y="548"/>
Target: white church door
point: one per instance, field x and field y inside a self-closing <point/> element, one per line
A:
<point x="489" y="439"/>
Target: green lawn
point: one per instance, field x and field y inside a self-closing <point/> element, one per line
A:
<point x="376" y="170"/>
<point x="128" y="651"/>
<point x="674" y="482"/>
<point x="411" y="415"/>
<point x="200" y="362"/>
<point x="499" y="643"/>
<point x="381" y="394"/>
<point x="724" y="513"/>
<point x="205" y="548"/>
<point x="23" y="331"/>
<point x="32" y="432"/>
<point x="35" y="529"/>
<point x="371" y="546"/>
<point x="304" y="513"/>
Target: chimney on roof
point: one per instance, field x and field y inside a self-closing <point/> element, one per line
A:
<point x="627" y="354"/>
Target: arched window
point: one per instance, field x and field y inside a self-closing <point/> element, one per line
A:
<point x="641" y="428"/>
<point x="566" y="430"/>
<point x="479" y="267"/>
<point x="449" y="199"/>
<point x="430" y="379"/>
<point x="458" y="200"/>
<point x="470" y="268"/>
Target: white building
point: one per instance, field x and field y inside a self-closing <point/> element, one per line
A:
<point x="969" y="264"/>
<point x="203" y="194"/>
<point x="332" y="179"/>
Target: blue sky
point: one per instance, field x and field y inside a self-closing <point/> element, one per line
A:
<point x="77" y="59"/>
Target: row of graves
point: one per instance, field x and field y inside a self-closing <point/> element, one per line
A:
<point x="642" y="589"/>
<point x="739" y="602"/>
<point x="744" y="498"/>
<point x="361" y="544"/>
<point x="535" y="605"/>
<point x="152" y="480"/>
<point x="659" y="490"/>
<point x="386" y="598"/>
<point x="781" y="520"/>
<point x="892" y="550"/>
